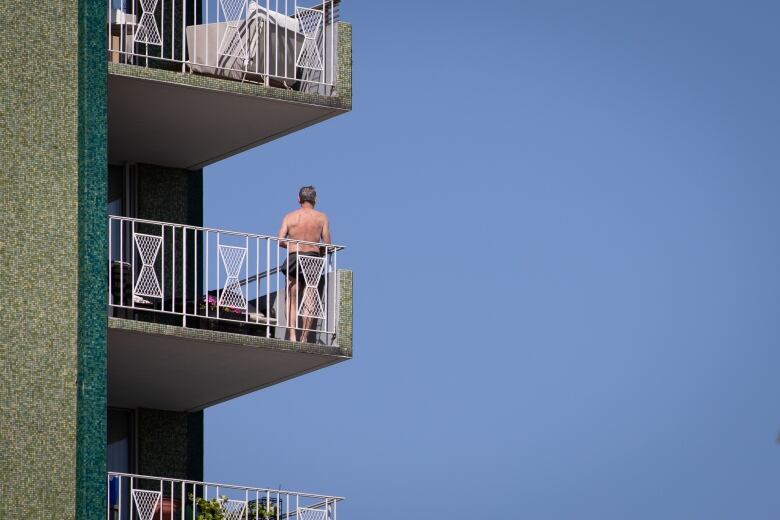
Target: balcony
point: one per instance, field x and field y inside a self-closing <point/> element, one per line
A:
<point x="195" y="81"/>
<point x="201" y="315"/>
<point x="142" y="497"/>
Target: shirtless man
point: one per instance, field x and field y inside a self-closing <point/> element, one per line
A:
<point x="309" y="225"/>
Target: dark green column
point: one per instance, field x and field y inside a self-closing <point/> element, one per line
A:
<point x="92" y="268"/>
<point x="170" y="444"/>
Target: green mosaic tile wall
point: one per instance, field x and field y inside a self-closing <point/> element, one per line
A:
<point x="93" y="271"/>
<point x="170" y="194"/>
<point x="345" y="311"/>
<point x="170" y="444"/>
<point x="52" y="227"/>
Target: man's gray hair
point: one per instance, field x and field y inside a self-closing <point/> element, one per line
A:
<point x="307" y="194"/>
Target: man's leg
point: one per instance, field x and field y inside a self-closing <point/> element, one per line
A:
<point x="292" y="309"/>
<point x="309" y="323"/>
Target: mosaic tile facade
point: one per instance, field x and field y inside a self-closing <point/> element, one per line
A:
<point x="345" y="311"/>
<point x="170" y="194"/>
<point x="170" y="444"/>
<point x="93" y="271"/>
<point x="52" y="227"/>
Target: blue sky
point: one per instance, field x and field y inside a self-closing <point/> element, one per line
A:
<point x="563" y="223"/>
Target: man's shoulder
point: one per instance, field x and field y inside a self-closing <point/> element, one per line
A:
<point x="297" y="214"/>
<point x="320" y="214"/>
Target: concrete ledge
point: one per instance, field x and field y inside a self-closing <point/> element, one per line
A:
<point x="213" y="336"/>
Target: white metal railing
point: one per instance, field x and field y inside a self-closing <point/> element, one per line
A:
<point x="276" y="42"/>
<point x="225" y="280"/>
<point x="141" y="497"/>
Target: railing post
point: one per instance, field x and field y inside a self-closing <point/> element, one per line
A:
<point x="162" y="250"/>
<point x="132" y="267"/>
<point x="332" y="58"/>
<point x="268" y="290"/>
<point x="267" y="30"/>
<point x="246" y="276"/>
<point x="184" y="277"/>
<point x="110" y="229"/>
<point x="195" y="273"/>
<point x="218" y="291"/>
<point x="108" y="498"/>
<point x="184" y="35"/>
<point x="206" y="270"/>
<point x="121" y="263"/>
<point x="336" y="293"/>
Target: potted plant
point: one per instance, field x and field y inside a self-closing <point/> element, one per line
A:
<point x="213" y="509"/>
<point x="208" y="308"/>
<point x="259" y="509"/>
<point x="169" y="506"/>
<point x="209" y="509"/>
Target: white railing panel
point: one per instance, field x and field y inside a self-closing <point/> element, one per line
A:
<point x="133" y="497"/>
<point x="281" y="43"/>
<point x="223" y="280"/>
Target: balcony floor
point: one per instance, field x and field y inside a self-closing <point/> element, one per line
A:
<point x="166" y="367"/>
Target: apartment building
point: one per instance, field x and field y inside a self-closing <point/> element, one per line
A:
<point x="123" y="317"/>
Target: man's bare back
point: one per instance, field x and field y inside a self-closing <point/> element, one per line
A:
<point x="305" y="224"/>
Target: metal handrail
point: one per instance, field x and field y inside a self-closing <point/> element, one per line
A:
<point x="228" y="486"/>
<point x="334" y="247"/>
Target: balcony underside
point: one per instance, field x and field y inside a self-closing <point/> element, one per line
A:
<point x="174" y="368"/>
<point x="184" y="126"/>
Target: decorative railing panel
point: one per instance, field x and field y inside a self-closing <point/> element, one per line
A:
<point x="280" y="42"/>
<point x="223" y="280"/>
<point x="134" y="497"/>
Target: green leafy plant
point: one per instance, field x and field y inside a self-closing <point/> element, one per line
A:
<point x="260" y="511"/>
<point x="209" y="509"/>
<point x="213" y="509"/>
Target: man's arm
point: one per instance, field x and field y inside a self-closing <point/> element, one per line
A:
<point x="283" y="232"/>
<point x="325" y="232"/>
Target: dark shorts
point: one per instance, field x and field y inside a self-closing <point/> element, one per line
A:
<point x="291" y="271"/>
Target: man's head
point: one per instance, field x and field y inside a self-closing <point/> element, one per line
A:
<point x="307" y="194"/>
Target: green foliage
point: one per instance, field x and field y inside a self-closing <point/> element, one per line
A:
<point x="209" y="509"/>
<point x="212" y="509"/>
<point x="259" y="511"/>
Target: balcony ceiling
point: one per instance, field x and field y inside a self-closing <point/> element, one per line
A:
<point x="191" y="370"/>
<point x="191" y="127"/>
